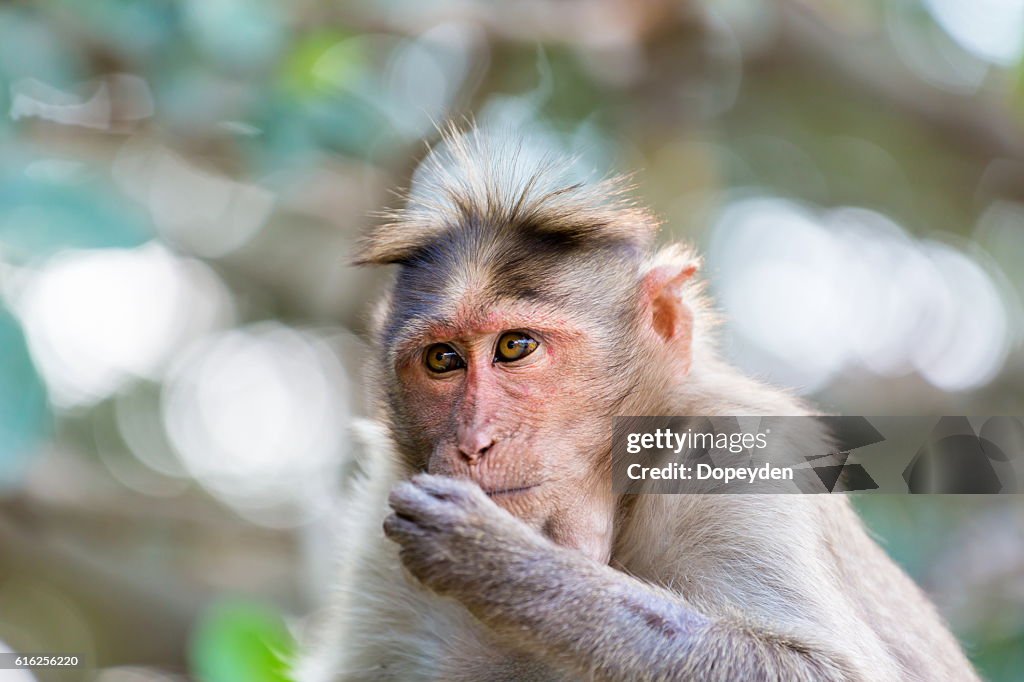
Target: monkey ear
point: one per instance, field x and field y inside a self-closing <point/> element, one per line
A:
<point x="671" y="317"/>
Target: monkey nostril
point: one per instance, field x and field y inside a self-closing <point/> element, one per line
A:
<point x="474" y="449"/>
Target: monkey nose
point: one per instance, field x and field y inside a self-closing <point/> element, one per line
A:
<point x="474" y="445"/>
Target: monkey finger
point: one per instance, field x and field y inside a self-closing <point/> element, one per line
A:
<point x="446" y="487"/>
<point x="398" y="528"/>
<point x="409" y="500"/>
<point x="418" y="505"/>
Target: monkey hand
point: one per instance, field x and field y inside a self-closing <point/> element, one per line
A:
<point x="457" y="541"/>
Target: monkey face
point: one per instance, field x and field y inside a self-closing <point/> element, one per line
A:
<point x="516" y="400"/>
<point x="509" y="351"/>
<point x="517" y="393"/>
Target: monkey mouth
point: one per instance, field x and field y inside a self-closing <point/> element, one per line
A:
<point x="510" y="491"/>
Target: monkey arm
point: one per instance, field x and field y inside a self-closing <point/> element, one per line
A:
<point x="582" y="615"/>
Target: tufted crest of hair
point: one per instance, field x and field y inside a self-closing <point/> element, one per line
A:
<point x="479" y="181"/>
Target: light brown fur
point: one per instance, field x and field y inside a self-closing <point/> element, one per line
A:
<point x="680" y="587"/>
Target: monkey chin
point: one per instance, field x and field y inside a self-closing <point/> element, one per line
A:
<point x="576" y="526"/>
<point x="590" y="536"/>
<point x="585" y="524"/>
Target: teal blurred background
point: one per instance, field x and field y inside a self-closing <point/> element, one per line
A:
<point x="180" y="353"/>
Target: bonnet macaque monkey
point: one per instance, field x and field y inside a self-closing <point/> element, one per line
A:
<point x="525" y="313"/>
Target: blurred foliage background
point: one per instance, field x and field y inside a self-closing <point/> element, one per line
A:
<point x="180" y="353"/>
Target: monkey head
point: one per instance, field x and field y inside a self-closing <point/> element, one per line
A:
<point x="510" y="338"/>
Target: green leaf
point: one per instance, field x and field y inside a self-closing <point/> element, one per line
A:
<point x="238" y="640"/>
<point x="325" y="61"/>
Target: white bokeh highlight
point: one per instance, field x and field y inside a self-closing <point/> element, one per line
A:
<point x="257" y="416"/>
<point x="990" y="29"/>
<point x="808" y="295"/>
<point x="94" y="319"/>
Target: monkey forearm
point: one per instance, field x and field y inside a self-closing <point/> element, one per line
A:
<point x="602" y="623"/>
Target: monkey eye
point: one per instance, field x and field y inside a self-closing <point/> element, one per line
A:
<point x="442" y="358"/>
<point x="514" y="345"/>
